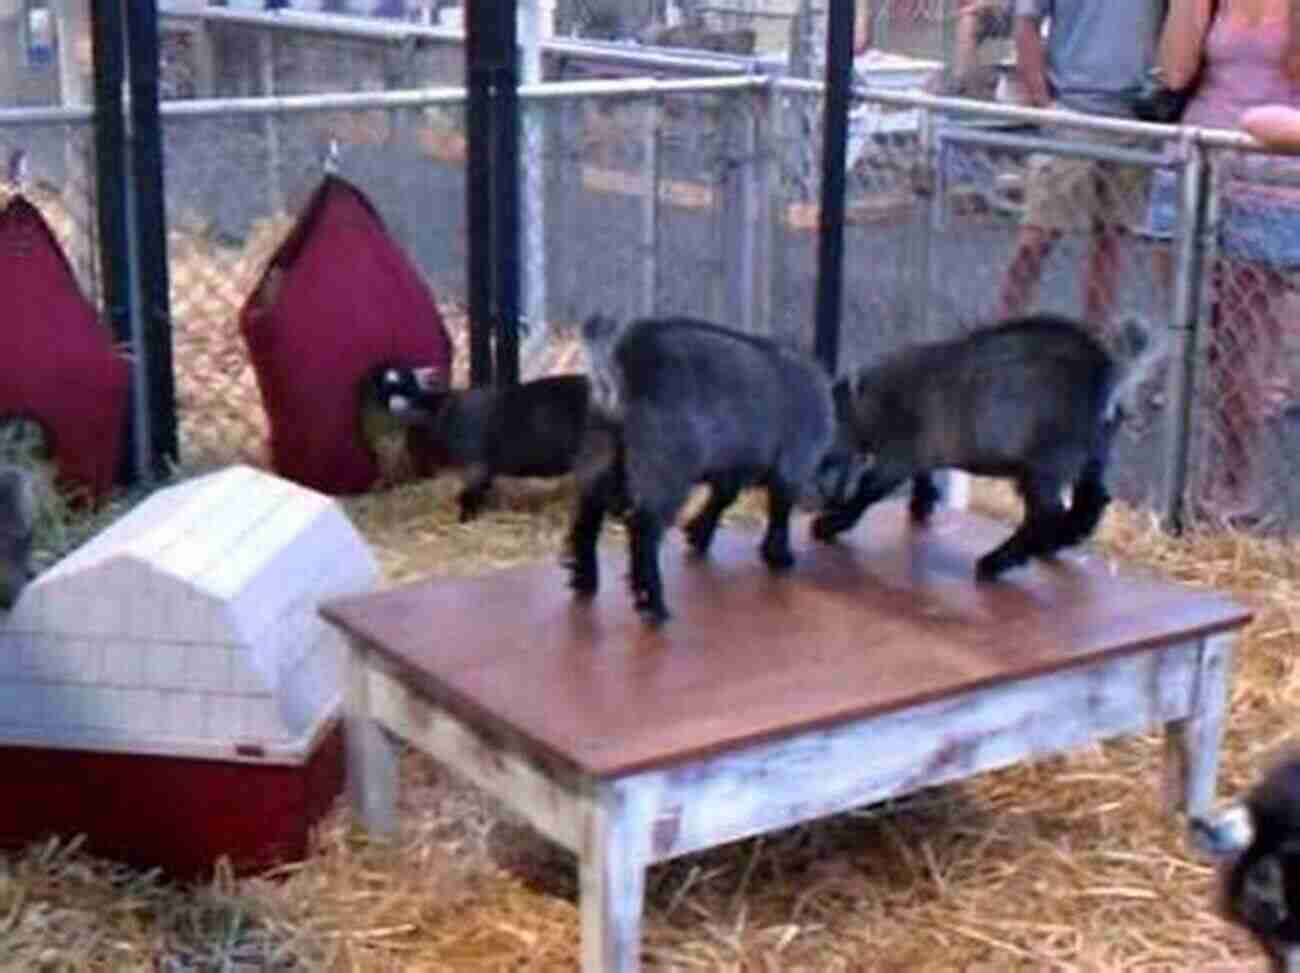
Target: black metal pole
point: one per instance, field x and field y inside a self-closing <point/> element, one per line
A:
<point x="507" y="221"/>
<point x="835" y="125"/>
<point x="478" y="189"/>
<point x="108" y="40"/>
<point x="151" y="234"/>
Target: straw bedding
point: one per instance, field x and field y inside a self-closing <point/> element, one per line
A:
<point x="1068" y="864"/>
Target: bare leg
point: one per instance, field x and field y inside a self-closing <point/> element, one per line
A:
<point x="1020" y="283"/>
<point x="1102" y="272"/>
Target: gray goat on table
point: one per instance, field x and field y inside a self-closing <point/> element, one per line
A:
<point x="701" y="403"/>
<point x="1034" y="399"/>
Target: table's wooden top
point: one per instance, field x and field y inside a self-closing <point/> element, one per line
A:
<point x="888" y="618"/>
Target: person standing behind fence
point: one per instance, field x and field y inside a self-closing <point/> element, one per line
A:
<point x="978" y="22"/>
<point x="1093" y="59"/>
<point x="1248" y="55"/>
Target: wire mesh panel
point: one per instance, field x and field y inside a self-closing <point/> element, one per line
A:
<point x="981" y="220"/>
<point x="1247" y="451"/>
<point x="210" y="58"/>
<point x="229" y="210"/>
<point x="635" y="191"/>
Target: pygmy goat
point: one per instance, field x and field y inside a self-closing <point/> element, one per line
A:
<point x="1034" y="399"/>
<point x="17" y="520"/>
<point x="701" y="403"/>
<point x="541" y="428"/>
<point x="1257" y="843"/>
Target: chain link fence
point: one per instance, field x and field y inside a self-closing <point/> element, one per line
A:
<point x="701" y="197"/>
<point x="1247" y="445"/>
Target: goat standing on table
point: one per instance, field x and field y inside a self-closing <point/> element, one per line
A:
<point x="17" y="520"/>
<point x="1035" y="399"/>
<point x="700" y="403"/>
<point x="1257" y="843"/>
<point x="541" y="428"/>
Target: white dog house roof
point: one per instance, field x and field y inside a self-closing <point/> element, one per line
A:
<point x="189" y="627"/>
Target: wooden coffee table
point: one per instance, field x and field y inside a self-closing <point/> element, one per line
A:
<point x="875" y="667"/>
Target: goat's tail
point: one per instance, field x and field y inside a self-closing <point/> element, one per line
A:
<point x="1138" y="350"/>
<point x="600" y="334"/>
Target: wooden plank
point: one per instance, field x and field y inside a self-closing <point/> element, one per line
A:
<point x="554" y="806"/>
<point x="782" y="783"/>
<point x="888" y="619"/>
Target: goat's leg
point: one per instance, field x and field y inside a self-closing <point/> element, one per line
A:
<point x="700" y="528"/>
<point x="776" y="542"/>
<point x="478" y="482"/>
<point x="646" y="530"/>
<point x="1087" y="505"/>
<point x="925" y="497"/>
<point x="583" y="565"/>
<point x="874" y="485"/>
<point x="1036" y="534"/>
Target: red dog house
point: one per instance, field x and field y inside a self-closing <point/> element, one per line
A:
<point x="338" y="299"/>
<point x="57" y="363"/>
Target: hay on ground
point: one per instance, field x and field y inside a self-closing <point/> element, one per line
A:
<point x="1070" y="863"/>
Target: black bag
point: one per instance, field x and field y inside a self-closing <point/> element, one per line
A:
<point x="1156" y="101"/>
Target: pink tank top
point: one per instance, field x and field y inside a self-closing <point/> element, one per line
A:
<point x="1243" y="68"/>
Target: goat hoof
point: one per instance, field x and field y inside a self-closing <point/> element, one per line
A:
<point x="778" y="557"/>
<point x="992" y="566"/>
<point x="699" y="537"/>
<point x="583" y="584"/>
<point x="921" y="509"/>
<point x="653" y="616"/>
<point x="826" y="528"/>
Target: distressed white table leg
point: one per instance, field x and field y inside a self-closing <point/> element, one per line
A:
<point x="1192" y="745"/>
<point x="612" y="868"/>
<point x="371" y="754"/>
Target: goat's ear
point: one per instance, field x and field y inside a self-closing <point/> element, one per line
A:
<point x="1227" y="833"/>
<point x="428" y="379"/>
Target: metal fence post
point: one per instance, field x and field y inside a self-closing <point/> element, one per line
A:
<point x="925" y="179"/>
<point x="506" y="193"/>
<point x="534" y="193"/>
<point x="650" y="209"/>
<point x="108" y="29"/>
<point x="830" y="251"/>
<point x="1195" y="231"/>
<point x="266" y="66"/>
<point x="478" y="195"/>
<point x="154" y="339"/>
<point x="765" y="178"/>
<point x="737" y="212"/>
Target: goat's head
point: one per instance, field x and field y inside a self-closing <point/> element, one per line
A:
<point x="407" y="392"/>
<point x="1257" y="846"/>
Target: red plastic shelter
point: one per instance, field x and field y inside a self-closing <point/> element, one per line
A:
<point x="338" y="299"/>
<point x="57" y="361"/>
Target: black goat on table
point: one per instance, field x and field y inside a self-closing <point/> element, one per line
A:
<point x="1035" y="399"/>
